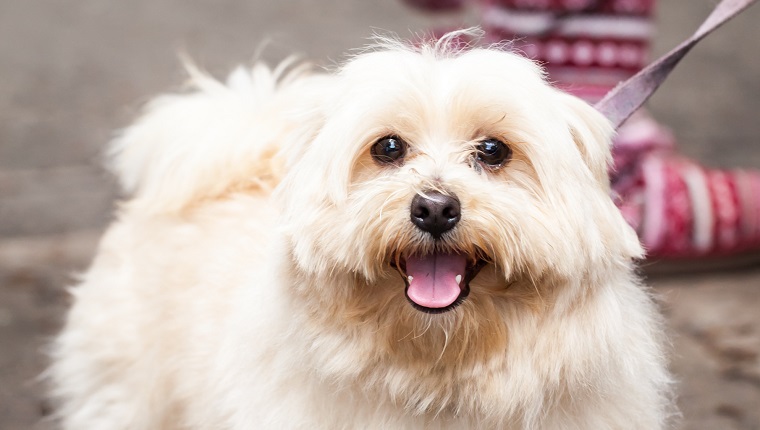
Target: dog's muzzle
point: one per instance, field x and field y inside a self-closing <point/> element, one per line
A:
<point x="438" y="281"/>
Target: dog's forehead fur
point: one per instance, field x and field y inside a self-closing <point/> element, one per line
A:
<point x="441" y="103"/>
<point x="456" y="94"/>
<point x="430" y="70"/>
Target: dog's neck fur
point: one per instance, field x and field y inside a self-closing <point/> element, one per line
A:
<point x="454" y="363"/>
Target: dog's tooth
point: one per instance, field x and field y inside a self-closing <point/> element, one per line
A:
<point x="458" y="279"/>
<point x="410" y="278"/>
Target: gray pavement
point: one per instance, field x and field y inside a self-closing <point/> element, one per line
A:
<point x="73" y="71"/>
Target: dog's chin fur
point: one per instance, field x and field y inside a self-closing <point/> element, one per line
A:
<point x="249" y="280"/>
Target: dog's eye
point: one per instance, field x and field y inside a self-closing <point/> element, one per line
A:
<point x="389" y="150"/>
<point x="493" y="152"/>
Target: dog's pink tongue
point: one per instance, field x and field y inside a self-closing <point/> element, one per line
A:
<point x="435" y="279"/>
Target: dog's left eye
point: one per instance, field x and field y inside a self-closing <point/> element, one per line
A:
<point x="493" y="152"/>
<point x="389" y="150"/>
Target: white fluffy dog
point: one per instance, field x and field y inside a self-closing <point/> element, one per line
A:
<point x="423" y="239"/>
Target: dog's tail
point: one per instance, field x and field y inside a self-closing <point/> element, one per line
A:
<point x="215" y="139"/>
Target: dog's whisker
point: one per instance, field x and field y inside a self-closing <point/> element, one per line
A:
<point x="407" y="335"/>
<point x="445" y="344"/>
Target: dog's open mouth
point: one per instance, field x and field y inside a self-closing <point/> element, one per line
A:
<point x="438" y="282"/>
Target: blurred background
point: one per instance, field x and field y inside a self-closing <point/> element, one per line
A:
<point x="73" y="71"/>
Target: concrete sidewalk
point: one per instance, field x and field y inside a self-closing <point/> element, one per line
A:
<point x="73" y="71"/>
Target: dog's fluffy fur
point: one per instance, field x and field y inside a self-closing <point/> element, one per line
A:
<point x="249" y="280"/>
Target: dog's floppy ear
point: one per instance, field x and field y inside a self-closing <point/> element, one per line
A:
<point x="592" y="133"/>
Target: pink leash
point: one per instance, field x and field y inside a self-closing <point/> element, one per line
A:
<point x="628" y="96"/>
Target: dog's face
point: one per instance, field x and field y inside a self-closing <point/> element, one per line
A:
<point x="445" y="184"/>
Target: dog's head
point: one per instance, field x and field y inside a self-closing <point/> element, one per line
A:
<point x="434" y="178"/>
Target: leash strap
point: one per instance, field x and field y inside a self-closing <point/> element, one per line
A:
<point x="627" y="97"/>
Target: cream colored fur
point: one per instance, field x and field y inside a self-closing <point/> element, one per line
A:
<point x="246" y="282"/>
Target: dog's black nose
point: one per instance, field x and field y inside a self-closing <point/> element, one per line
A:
<point x="435" y="213"/>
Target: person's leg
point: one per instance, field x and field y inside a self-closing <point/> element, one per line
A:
<point x="587" y="46"/>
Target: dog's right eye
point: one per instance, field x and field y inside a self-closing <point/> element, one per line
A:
<point x="389" y="150"/>
<point x="493" y="153"/>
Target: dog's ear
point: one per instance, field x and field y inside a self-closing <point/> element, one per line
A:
<point x="592" y="133"/>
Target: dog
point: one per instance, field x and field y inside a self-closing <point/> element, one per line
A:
<point x="422" y="238"/>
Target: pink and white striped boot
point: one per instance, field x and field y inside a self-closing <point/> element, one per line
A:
<point x="680" y="209"/>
